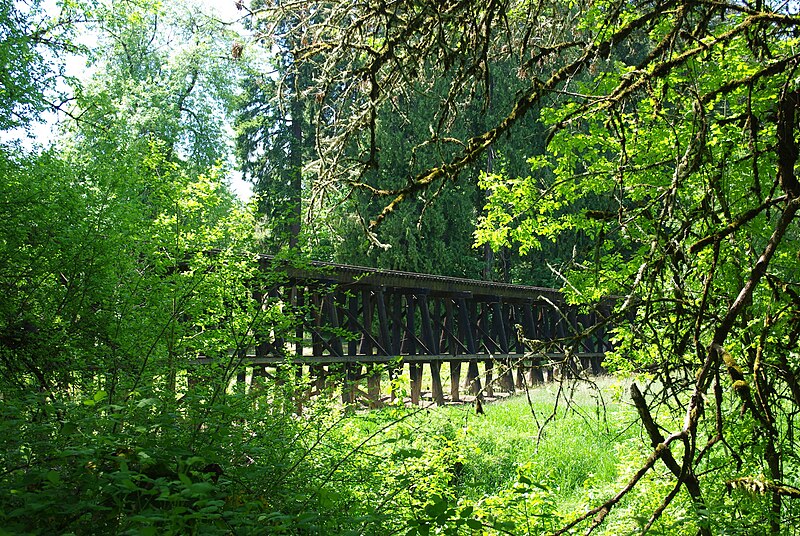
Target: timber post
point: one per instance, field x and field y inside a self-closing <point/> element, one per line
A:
<point x="355" y="324"/>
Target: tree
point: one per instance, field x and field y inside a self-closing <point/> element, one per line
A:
<point x="384" y="148"/>
<point x="274" y="138"/>
<point x="671" y="146"/>
<point x="431" y="234"/>
<point x="32" y="47"/>
<point x="164" y="73"/>
<point x="268" y="131"/>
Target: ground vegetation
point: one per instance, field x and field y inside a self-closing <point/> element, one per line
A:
<point x="650" y="147"/>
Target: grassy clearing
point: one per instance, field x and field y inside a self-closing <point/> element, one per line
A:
<point x="527" y="466"/>
<point x="561" y="446"/>
<point x="568" y="452"/>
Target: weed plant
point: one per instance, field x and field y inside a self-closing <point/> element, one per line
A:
<point x="526" y="461"/>
<point x="249" y="464"/>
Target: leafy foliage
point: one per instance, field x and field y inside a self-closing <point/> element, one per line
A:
<point x="692" y="200"/>
<point x="661" y="140"/>
<point x="122" y="264"/>
<point x="669" y="161"/>
<point x="28" y="39"/>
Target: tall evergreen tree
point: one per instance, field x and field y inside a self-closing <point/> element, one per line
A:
<point x="273" y="136"/>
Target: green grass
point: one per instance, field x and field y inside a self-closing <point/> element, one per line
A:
<point x="527" y="466"/>
<point x="571" y="450"/>
<point x="576" y="444"/>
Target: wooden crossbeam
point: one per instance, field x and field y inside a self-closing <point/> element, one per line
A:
<point x="367" y="322"/>
<point x="375" y="359"/>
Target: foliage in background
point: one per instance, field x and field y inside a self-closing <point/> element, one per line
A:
<point x="669" y="162"/>
<point x="32" y="44"/>
<point x="162" y="72"/>
<point x="282" y="120"/>
<point x="274" y="136"/>
<point x="669" y="157"/>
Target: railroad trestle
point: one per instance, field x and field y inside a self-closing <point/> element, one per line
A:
<point x="360" y="325"/>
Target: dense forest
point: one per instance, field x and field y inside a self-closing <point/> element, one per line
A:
<point x="640" y="152"/>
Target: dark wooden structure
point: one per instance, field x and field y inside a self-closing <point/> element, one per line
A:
<point x="358" y="325"/>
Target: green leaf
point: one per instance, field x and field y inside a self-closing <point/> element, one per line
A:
<point x="53" y="477"/>
<point x="185" y="480"/>
<point x="474" y="524"/>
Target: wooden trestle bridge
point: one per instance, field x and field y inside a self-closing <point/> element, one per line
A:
<point x="357" y="324"/>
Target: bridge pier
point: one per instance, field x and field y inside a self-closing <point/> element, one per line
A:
<point x="455" y="379"/>
<point x="357" y="383"/>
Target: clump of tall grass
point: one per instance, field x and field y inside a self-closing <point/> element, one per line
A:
<point x="563" y="444"/>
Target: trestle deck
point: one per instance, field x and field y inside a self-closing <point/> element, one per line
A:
<point x="356" y="324"/>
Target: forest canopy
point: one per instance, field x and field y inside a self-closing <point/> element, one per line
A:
<point x="639" y="152"/>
